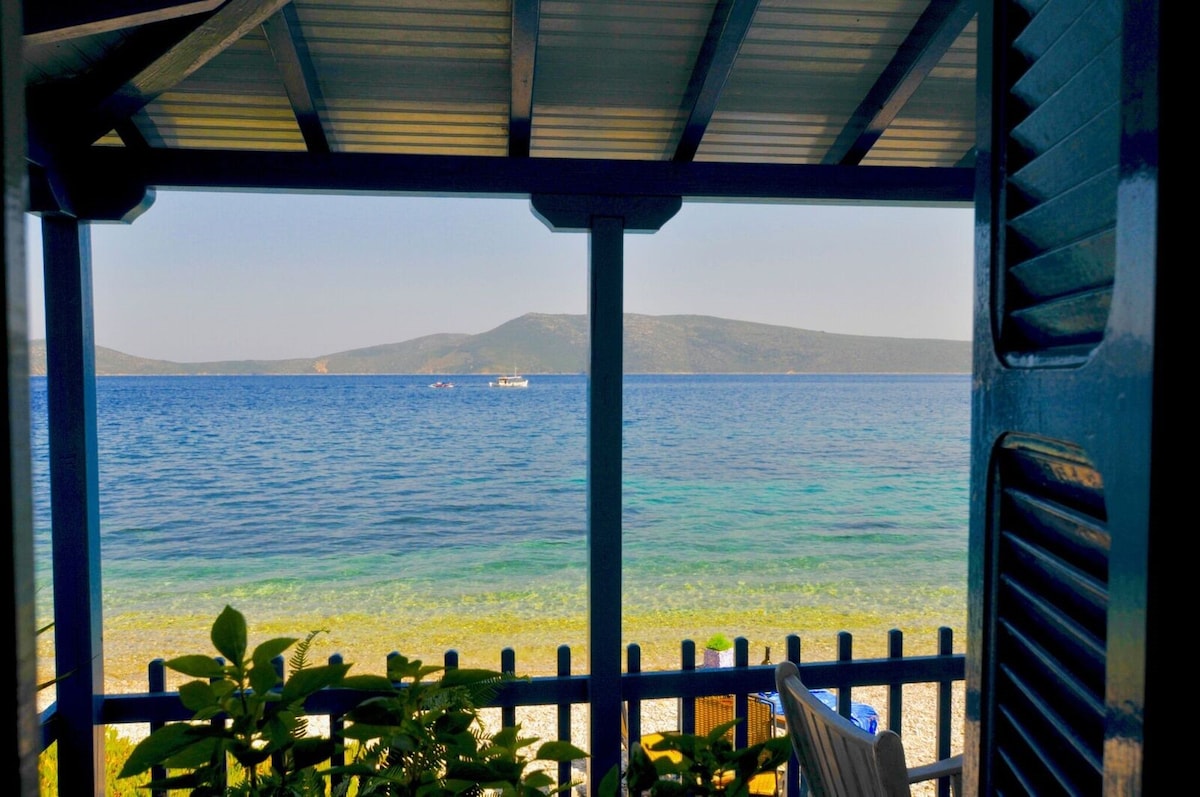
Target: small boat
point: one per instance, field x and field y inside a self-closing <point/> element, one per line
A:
<point x="442" y="384"/>
<point x="513" y="380"/>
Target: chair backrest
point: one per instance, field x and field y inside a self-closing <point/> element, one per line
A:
<point x="712" y="710"/>
<point x="837" y="758"/>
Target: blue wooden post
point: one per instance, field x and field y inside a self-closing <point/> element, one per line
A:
<point x="606" y="219"/>
<point x="157" y="684"/>
<point x="845" y="653"/>
<point x="508" y="665"/>
<point x="74" y="502"/>
<point x="945" y="696"/>
<point x="605" y="364"/>
<point x="793" y="785"/>
<point x="687" y="706"/>
<point x="564" y="713"/>
<point x="633" y="708"/>
<point x="337" y="725"/>
<point x="895" y="708"/>
<point x="741" y="708"/>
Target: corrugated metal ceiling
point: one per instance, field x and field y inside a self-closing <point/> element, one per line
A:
<point x="791" y="82"/>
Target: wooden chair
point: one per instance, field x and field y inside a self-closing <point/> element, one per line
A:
<point x="839" y="759"/>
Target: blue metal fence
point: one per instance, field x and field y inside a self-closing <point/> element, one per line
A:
<point x="567" y="692"/>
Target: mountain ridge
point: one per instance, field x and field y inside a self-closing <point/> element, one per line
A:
<point x="542" y="343"/>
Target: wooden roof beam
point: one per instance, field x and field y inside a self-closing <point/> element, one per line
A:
<point x="442" y="175"/>
<point x="155" y="60"/>
<point x="523" y="63"/>
<point x="726" y="32"/>
<point x="47" y="23"/>
<point x="290" y="51"/>
<point x="931" y="36"/>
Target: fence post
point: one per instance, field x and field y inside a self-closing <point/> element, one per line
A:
<point x="895" y="690"/>
<point x="564" y="714"/>
<point x="792" y="783"/>
<point x="157" y="677"/>
<point x="687" y="706"/>
<point x="337" y="724"/>
<point x="741" y="709"/>
<point x="845" y="655"/>
<point x="944" y="700"/>
<point x="508" y="666"/>
<point x="632" y="708"/>
<point x="219" y="722"/>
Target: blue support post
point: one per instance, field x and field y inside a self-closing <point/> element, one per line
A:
<point x="605" y="365"/>
<point x="74" y="502"/>
<point x="606" y="219"/>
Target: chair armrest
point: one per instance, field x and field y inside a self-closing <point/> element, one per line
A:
<point x="946" y="768"/>
<point x="939" y="769"/>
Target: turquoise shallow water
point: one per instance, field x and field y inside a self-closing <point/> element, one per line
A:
<point x="334" y="496"/>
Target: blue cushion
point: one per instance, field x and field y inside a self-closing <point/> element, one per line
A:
<point x="862" y="715"/>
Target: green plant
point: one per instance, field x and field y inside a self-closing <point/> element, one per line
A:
<point x="411" y="735"/>
<point x="692" y="764"/>
<point x="718" y="642"/>
<point x="263" y="730"/>
<point x="423" y="737"/>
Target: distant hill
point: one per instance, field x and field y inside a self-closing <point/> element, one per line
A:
<point x="537" y="343"/>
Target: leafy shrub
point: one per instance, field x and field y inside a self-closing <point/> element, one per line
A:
<point x="423" y="737"/>
<point x="410" y="735"/>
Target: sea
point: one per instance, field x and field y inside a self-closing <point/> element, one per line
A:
<point x="438" y="518"/>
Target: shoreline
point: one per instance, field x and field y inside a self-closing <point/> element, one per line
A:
<point x="131" y="642"/>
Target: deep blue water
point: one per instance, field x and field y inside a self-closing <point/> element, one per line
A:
<point x="334" y="493"/>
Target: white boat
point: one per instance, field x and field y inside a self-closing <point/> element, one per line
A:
<point x="442" y="384"/>
<point x="513" y="380"/>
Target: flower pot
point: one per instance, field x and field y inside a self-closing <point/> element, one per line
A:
<point x="718" y="658"/>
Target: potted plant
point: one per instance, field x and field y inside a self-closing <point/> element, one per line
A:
<point x="718" y="651"/>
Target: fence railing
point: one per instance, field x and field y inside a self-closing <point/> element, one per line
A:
<point x="566" y="692"/>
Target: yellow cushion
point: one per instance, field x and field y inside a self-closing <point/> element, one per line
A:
<point x="764" y="783"/>
<point x="651" y="739"/>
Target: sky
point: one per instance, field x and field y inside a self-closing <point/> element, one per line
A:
<point x="206" y="276"/>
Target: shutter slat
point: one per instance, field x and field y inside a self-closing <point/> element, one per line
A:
<point x="1066" y="321"/>
<point x="1080" y="156"/>
<point x="1080" y="265"/>
<point x="1083" y="210"/>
